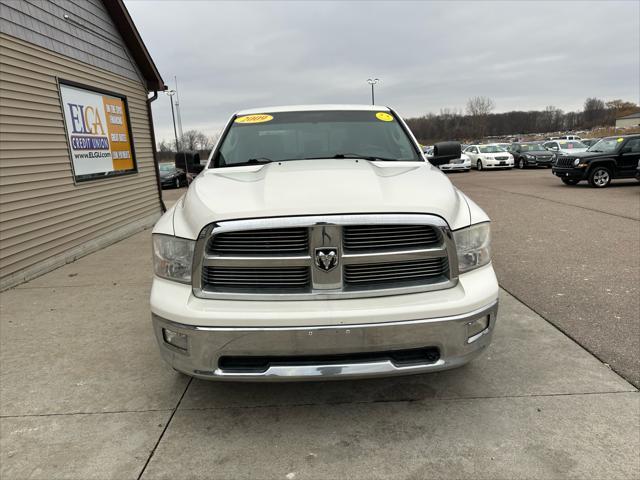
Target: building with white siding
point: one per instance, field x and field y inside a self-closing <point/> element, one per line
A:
<point x="78" y="169"/>
<point x="628" y="121"/>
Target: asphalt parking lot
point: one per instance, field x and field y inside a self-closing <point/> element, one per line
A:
<point x="572" y="254"/>
<point x="84" y="394"/>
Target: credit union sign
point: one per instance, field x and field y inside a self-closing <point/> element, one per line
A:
<point x="98" y="132"/>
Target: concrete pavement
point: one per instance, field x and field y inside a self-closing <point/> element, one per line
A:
<point x="84" y="394"/>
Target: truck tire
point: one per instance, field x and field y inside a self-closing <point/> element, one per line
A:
<point x="569" y="181"/>
<point x="599" y="177"/>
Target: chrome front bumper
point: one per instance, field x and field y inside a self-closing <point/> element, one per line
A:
<point x="207" y="345"/>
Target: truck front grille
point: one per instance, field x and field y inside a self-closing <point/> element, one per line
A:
<point x="338" y="256"/>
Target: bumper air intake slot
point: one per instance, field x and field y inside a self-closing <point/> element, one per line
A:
<point x="258" y="364"/>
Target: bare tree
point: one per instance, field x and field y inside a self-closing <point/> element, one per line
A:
<point x="164" y="146"/>
<point x="189" y="140"/>
<point x="594" y="112"/>
<point x="479" y="108"/>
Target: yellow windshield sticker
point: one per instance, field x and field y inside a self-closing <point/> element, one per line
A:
<point x="384" y="116"/>
<point x="620" y="140"/>
<point x="259" y="118"/>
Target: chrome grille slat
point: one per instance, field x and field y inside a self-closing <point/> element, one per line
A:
<point x="267" y="241"/>
<point x="384" y="237"/>
<point x="426" y="270"/>
<point x="239" y="278"/>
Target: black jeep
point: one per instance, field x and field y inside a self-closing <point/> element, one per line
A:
<point x="611" y="157"/>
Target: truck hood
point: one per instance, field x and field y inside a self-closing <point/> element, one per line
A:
<point x="316" y="187"/>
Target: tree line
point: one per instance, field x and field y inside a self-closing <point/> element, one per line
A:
<point x="191" y="141"/>
<point x="479" y="121"/>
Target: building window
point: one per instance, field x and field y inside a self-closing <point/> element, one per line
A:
<point x="98" y="132"/>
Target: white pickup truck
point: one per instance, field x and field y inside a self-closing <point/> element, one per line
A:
<point x="320" y="244"/>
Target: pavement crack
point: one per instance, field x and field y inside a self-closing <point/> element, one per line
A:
<point x="175" y="409"/>
<point x="106" y="412"/>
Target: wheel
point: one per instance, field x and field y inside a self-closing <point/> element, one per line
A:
<point x="600" y="177"/>
<point x="479" y="165"/>
<point x="521" y="164"/>
<point x="569" y="181"/>
<point x="178" y="184"/>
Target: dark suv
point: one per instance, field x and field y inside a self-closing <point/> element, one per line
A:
<point x="611" y="157"/>
<point x="530" y="154"/>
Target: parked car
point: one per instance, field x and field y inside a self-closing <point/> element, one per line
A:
<point x="565" y="146"/>
<point x="319" y="244"/>
<point x="590" y="141"/>
<point x="489" y="156"/>
<point x="530" y="154"/>
<point x="170" y="176"/>
<point x="462" y="164"/>
<point x="610" y="158"/>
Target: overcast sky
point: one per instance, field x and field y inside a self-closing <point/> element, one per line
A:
<point x="428" y="55"/>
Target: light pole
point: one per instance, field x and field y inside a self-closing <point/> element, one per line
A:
<point x="171" y="93"/>
<point x="372" y="82"/>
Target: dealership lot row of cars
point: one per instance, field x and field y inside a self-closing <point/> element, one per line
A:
<point x="597" y="161"/>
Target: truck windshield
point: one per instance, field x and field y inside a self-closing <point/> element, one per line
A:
<point x="309" y="135"/>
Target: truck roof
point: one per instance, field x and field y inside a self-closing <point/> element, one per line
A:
<point x="312" y="108"/>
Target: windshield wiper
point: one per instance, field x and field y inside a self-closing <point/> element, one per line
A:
<point x="251" y="161"/>
<point x="371" y="158"/>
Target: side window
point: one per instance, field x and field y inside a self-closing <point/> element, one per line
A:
<point x="633" y="145"/>
<point x="474" y="150"/>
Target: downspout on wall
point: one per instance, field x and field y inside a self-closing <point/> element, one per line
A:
<point x="155" y="152"/>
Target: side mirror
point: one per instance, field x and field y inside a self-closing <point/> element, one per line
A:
<point x="625" y="150"/>
<point x="444" y="152"/>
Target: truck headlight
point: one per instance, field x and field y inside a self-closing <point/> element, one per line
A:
<point x="172" y="257"/>
<point x="473" y="246"/>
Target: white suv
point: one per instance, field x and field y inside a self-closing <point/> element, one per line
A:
<point x="319" y="243"/>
